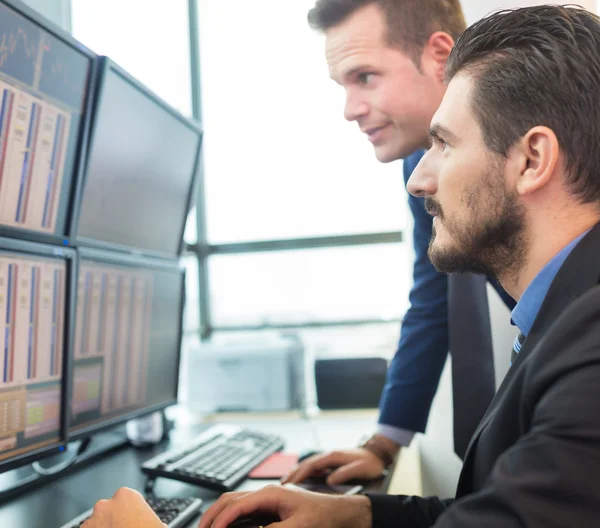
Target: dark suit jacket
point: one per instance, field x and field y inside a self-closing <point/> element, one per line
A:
<point x="534" y="460"/>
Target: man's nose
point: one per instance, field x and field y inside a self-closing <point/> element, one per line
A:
<point x="423" y="180"/>
<point x="355" y="107"/>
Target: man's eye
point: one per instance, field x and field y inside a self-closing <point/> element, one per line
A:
<point x="365" y="78"/>
<point x="440" y="143"/>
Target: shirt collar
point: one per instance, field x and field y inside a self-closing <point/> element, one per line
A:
<point x="526" y="310"/>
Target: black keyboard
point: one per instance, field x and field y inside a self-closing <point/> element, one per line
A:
<point x="175" y="513"/>
<point x="218" y="459"/>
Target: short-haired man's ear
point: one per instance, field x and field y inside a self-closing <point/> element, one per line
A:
<point x="436" y="52"/>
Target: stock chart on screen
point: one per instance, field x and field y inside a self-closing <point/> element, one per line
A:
<point x="43" y="87"/>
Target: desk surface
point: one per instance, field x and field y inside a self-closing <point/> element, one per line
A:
<point x="70" y="495"/>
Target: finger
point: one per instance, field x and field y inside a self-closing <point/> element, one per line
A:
<point x="348" y="472"/>
<point x="318" y="463"/>
<point x="291" y="476"/>
<point x="266" y="500"/>
<point x="99" y="507"/>
<point x="292" y="522"/>
<point x="211" y="514"/>
<point x="97" y="514"/>
<point x="293" y="471"/>
<point x="314" y="464"/>
<point x="127" y="495"/>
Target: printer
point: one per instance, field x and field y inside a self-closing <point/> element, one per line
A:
<point x="266" y="374"/>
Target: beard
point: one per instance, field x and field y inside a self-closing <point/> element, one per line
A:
<point x="492" y="241"/>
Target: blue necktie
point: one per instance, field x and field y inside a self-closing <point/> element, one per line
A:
<point x="519" y="340"/>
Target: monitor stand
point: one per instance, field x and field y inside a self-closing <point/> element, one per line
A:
<point x="14" y="483"/>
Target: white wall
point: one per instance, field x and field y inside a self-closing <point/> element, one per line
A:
<point x="476" y="9"/>
<point x="440" y="466"/>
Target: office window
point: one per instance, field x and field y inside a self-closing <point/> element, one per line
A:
<point x="191" y="313"/>
<point x="364" y="340"/>
<point x="280" y="160"/>
<point x="315" y="285"/>
<point x="190" y="235"/>
<point x="149" y="38"/>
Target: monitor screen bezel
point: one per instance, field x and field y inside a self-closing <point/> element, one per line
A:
<point x="120" y="259"/>
<point x="105" y="66"/>
<point x="34" y="249"/>
<point x="64" y="239"/>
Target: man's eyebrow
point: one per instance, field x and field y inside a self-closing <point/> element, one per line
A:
<point x="356" y="71"/>
<point x="439" y="133"/>
<point x="341" y="77"/>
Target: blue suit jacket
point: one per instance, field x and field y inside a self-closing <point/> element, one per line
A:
<point x="415" y="370"/>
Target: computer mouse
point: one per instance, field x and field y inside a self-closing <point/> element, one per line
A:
<point x="306" y="454"/>
<point x="258" y="520"/>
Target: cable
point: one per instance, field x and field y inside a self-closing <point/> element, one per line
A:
<point x="53" y="470"/>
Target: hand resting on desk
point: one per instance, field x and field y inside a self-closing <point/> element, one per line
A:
<point x="127" y="509"/>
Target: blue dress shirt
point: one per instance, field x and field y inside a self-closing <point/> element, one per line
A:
<point x="526" y="310"/>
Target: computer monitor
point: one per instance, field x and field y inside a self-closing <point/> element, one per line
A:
<point x="36" y="304"/>
<point x="128" y="329"/>
<point x="141" y="169"/>
<point x="45" y="80"/>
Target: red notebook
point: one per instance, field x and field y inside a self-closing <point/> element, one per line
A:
<point x="278" y="465"/>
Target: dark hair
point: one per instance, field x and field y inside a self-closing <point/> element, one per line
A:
<point x="410" y="23"/>
<point x="538" y="66"/>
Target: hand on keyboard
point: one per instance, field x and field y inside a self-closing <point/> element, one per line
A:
<point x="127" y="509"/>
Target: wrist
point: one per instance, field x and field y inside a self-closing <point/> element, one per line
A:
<point x="383" y="448"/>
<point x="357" y="511"/>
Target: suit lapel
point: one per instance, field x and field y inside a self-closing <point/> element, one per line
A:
<point x="578" y="274"/>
